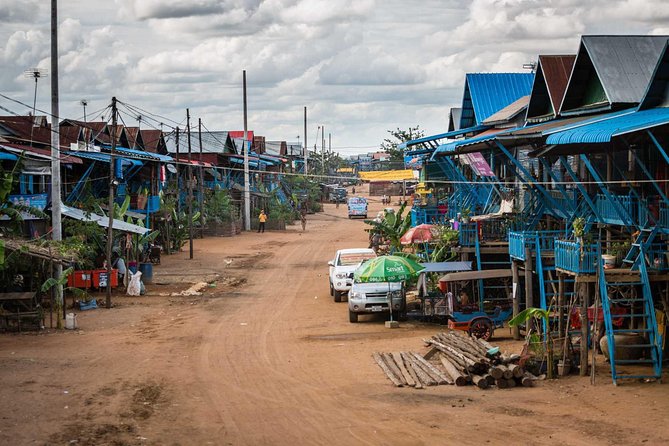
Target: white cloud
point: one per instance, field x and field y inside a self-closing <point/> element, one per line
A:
<point x="361" y="66"/>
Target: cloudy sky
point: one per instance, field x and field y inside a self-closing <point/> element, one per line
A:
<point x="360" y="66"/>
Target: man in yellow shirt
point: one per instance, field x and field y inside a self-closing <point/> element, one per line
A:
<point x="262" y="218"/>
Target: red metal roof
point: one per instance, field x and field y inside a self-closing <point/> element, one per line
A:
<point x="557" y="70"/>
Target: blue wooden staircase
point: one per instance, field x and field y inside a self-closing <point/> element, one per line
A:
<point x="649" y="329"/>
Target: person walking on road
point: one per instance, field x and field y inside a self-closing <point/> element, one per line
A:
<point x="303" y="220"/>
<point x="262" y="218"/>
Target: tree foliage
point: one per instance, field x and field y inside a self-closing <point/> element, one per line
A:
<point x="397" y="137"/>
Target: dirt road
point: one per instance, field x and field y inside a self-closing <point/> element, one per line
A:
<point x="265" y="357"/>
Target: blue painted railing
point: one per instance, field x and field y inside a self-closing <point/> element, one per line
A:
<point x="428" y="215"/>
<point x="610" y="213"/>
<point x="520" y="240"/>
<point x="569" y="256"/>
<point x="657" y="257"/>
<point x="664" y="215"/>
<point x="468" y="234"/>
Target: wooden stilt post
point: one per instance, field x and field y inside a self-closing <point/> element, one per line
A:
<point x="529" y="297"/>
<point x="516" y="297"/>
<point x="583" y="294"/>
<point x="561" y="309"/>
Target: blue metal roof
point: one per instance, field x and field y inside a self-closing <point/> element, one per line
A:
<point x="140" y="154"/>
<point x="8" y="156"/>
<point x="451" y="134"/>
<point x="604" y="130"/>
<point x="104" y="157"/>
<point x="487" y="93"/>
<point x="451" y="146"/>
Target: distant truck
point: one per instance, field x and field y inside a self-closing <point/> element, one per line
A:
<point x="337" y="194"/>
<point x="357" y="207"/>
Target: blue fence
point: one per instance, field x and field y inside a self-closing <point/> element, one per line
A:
<point x="519" y="241"/>
<point x="571" y="256"/>
<point x="427" y="215"/>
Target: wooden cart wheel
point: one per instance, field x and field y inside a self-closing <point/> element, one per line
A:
<point x="481" y="328"/>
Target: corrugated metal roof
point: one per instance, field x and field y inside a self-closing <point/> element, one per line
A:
<point x="486" y="93"/>
<point x="450" y="134"/>
<point x="657" y="94"/>
<point x="454" y="116"/>
<point x="483" y="137"/>
<point x="509" y="112"/>
<point x="101" y="220"/>
<point x="603" y="131"/>
<point x="611" y="70"/>
<point x="212" y="142"/>
<point x="550" y="83"/>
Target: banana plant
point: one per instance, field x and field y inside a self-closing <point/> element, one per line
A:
<point x="391" y="227"/>
<point x="58" y="283"/>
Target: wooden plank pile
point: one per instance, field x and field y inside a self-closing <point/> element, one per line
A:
<point x="454" y="358"/>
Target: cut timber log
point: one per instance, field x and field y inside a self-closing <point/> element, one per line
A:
<point x="379" y="360"/>
<point x="512" y="382"/>
<point x="434" y="372"/>
<point x="425" y="378"/>
<point x="480" y="381"/>
<point x="516" y="370"/>
<point x="473" y="344"/>
<point x="491" y="380"/>
<point x="527" y="380"/>
<point x="431" y="352"/>
<point x="502" y="383"/>
<point x="508" y="374"/>
<point x="409" y="368"/>
<point x="405" y="373"/>
<point x="496" y="372"/>
<point x="390" y="362"/>
<point x="459" y="378"/>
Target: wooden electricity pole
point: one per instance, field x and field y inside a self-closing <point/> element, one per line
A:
<point x="110" y="203"/>
<point x="189" y="172"/>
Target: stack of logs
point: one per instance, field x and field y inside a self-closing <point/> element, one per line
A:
<point x="454" y="358"/>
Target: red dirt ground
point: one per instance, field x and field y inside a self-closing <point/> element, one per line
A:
<point x="265" y="357"/>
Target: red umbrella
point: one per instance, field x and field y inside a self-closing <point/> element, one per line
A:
<point x="418" y="234"/>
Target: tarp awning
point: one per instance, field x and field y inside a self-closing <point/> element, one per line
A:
<point x="103" y="221"/>
<point x="8" y="156"/>
<point x="387" y="175"/>
<point x="475" y="275"/>
<point x="446" y="267"/>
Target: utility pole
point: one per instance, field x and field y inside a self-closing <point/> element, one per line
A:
<point x="110" y="203"/>
<point x="189" y="171"/>
<point x="323" y="150"/>
<point x="247" y="186"/>
<point x="176" y="166"/>
<point x="55" y="151"/>
<point x="305" y="142"/>
<point x="201" y="181"/>
<point x="329" y="145"/>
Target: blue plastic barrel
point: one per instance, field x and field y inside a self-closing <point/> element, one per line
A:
<point x="147" y="272"/>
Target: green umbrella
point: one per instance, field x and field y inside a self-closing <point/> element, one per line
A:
<point x="387" y="269"/>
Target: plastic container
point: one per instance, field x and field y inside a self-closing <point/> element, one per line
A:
<point x="147" y="272"/>
<point x="71" y="321"/>
<point x="609" y="261"/>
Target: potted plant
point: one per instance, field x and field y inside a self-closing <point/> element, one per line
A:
<point x="578" y="227"/>
<point x="142" y="197"/>
<point x="619" y="250"/>
<point x="464" y="215"/>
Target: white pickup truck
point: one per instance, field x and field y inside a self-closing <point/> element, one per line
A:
<point x="341" y="269"/>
